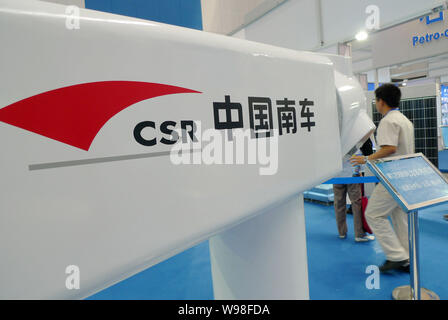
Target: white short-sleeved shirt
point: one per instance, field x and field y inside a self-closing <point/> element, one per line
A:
<point x="396" y="130"/>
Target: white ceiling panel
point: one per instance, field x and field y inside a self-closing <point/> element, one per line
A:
<point x="342" y="19"/>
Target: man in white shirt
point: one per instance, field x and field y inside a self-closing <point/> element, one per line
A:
<point x="395" y="136"/>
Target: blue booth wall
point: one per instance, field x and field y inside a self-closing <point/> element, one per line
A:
<point x="184" y="13"/>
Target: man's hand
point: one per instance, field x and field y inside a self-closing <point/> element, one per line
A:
<point x="384" y="151"/>
<point x="357" y="160"/>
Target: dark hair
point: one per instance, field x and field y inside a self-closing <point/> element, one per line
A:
<point x="390" y="94"/>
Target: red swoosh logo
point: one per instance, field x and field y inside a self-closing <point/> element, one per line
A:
<point x="74" y="115"/>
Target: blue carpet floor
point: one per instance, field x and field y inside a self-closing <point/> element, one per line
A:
<point x="186" y="276"/>
<point x="337" y="268"/>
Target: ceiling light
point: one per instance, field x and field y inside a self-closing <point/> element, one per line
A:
<point x="361" y="36"/>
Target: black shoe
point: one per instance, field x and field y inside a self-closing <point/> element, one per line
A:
<point x="395" y="265"/>
<point x="406" y="268"/>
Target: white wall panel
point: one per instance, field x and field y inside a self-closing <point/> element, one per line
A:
<point x="79" y="3"/>
<point x="396" y="45"/>
<point x="225" y="17"/>
<point x="423" y="89"/>
<point x="240" y="34"/>
<point x="362" y="66"/>
<point x="438" y="72"/>
<point x="342" y="19"/>
<point x="330" y="49"/>
<point x="293" y="25"/>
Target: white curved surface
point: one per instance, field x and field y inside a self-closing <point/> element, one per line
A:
<point x="115" y="219"/>
<point x="356" y="126"/>
<point x="264" y="257"/>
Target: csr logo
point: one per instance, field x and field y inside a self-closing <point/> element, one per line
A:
<point x="168" y="128"/>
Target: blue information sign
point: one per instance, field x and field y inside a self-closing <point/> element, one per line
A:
<point x="412" y="180"/>
<point x="444" y="101"/>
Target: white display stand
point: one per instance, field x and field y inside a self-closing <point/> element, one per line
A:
<point x="264" y="257"/>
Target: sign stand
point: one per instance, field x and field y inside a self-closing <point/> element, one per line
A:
<point x="414" y="292"/>
<point x="415" y="184"/>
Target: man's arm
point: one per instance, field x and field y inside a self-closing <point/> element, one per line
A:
<point x="384" y="152"/>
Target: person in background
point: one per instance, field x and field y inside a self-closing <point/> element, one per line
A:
<point x="366" y="149"/>
<point x="340" y="202"/>
<point x="395" y="136"/>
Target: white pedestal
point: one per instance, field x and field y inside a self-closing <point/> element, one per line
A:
<point x="264" y="257"/>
